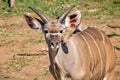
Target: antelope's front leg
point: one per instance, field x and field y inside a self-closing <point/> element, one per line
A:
<point x="51" y="69"/>
<point x="54" y="73"/>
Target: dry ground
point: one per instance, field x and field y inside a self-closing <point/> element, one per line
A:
<point x="23" y="54"/>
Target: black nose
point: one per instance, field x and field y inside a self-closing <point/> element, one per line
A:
<point x="54" y="44"/>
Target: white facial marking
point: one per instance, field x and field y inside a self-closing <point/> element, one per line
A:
<point x="105" y="78"/>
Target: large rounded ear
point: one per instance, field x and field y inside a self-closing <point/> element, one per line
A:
<point x="73" y="20"/>
<point x="33" y="23"/>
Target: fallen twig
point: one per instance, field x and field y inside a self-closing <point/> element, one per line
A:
<point x="31" y="54"/>
<point x="113" y="26"/>
<point x="112" y="35"/>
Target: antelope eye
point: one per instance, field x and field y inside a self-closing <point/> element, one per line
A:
<point x="46" y="31"/>
<point x="61" y="31"/>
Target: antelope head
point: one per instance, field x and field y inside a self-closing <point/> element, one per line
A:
<point x="53" y="30"/>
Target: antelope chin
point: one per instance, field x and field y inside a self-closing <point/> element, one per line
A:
<point x="55" y="47"/>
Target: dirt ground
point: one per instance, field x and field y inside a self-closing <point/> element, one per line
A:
<point x="23" y="51"/>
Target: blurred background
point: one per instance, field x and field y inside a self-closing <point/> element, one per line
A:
<point x="23" y="51"/>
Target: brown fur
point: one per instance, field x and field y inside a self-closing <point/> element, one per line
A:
<point x="80" y="55"/>
<point x="91" y="60"/>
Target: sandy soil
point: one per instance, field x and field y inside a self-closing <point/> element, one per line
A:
<point x="23" y="56"/>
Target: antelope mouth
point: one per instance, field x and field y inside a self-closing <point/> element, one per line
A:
<point x="55" y="45"/>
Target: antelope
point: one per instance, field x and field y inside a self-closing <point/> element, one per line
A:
<point x="78" y="55"/>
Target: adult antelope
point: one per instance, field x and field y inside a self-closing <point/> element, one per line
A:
<point x="79" y="55"/>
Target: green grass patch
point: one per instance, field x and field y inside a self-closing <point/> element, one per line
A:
<point x="18" y="62"/>
<point x="32" y="41"/>
<point x="46" y="71"/>
<point x="35" y="78"/>
<point x="21" y="6"/>
<point x="9" y="77"/>
<point x="17" y="23"/>
<point x="7" y="42"/>
<point x="5" y="33"/>
<point x="54" y="8"/>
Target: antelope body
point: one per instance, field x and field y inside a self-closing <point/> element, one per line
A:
<point x="79" y="55"/>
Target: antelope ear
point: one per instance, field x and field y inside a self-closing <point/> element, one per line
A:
<point x="33" y="23"/>
<point x="73" y="20"/>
